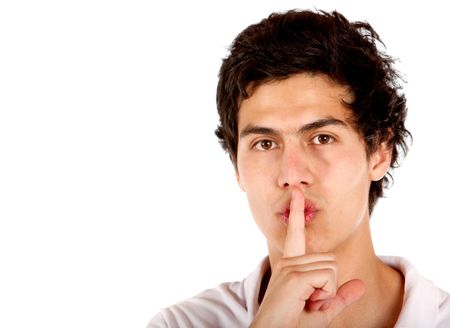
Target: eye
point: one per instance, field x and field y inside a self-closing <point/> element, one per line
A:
<point x="323" y="139"/>
<point x="265" y="145"/>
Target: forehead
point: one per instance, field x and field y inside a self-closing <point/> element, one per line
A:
<point x="303" y="96"/>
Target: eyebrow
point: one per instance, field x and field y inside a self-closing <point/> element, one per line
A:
<point x="254" y="129"/>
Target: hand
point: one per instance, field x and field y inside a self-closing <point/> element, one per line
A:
<point x="302" y="291"/>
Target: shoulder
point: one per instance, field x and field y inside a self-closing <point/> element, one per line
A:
<point x="157" y="321"/>
<point x="443" y="319"/>
<point x="211" y="308"/>
<point x="230" y="304"/>
<point x="423" y="302"/>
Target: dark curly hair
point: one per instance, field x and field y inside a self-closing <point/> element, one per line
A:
<point x="293" y="42"/>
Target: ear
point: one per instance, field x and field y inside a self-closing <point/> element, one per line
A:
<point x="239" y="181"/>
<point x="380" y="162"/>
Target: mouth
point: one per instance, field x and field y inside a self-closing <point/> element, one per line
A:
<point x="309" y="213"/>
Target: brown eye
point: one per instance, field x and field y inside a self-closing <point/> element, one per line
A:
<point x="323" y="139"/>
<point x="265" y="145"/>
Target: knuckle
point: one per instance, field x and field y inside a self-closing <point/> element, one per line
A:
<point x="334" y="266"/>
<point x="285" y="271"/>
<point x="283" y="261"/>
<point x="331" y="274"/>
<point x="292" y="276"/>
<point x="331" y="256"/>
<point x="279" y="266"/>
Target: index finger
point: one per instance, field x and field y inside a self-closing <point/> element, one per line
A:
<point x="294" y="244"/>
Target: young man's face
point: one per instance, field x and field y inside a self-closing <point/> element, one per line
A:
<point x="297" y="132"/>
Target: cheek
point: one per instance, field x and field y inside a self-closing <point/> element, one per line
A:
<point x="347" y="169"/>
<point x="347" y="184"/>
<point x="258" y="187"/>
<point x="344" y="176"/>
<point x="255" y="173"/>
<point x="258" y="182"/>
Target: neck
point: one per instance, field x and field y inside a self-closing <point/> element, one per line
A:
<point x="382" y="301"/>
<point x="356" y="256"/>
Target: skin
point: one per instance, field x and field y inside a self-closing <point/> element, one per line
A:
<point x="297" y="146"/>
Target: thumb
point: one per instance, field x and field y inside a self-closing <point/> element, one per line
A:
<point x="347" y="294"/>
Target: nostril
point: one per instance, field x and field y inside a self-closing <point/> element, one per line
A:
<point x="304" y="183"/>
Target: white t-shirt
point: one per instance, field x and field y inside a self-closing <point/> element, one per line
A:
<point x="235" y="304"/>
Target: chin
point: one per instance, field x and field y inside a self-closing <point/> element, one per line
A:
<point x="318" y="246"/>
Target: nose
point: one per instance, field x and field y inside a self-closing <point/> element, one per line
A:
<point x="294" y="167"/>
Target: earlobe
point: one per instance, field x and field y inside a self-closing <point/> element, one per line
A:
<point x="380" y="162"/>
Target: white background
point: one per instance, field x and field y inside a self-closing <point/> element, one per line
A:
<point x="115" y="198"/>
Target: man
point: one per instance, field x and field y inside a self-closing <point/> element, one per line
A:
<point x="313" y="118"/>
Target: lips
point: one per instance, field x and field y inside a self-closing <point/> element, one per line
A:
<point x="309" y="213"/>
